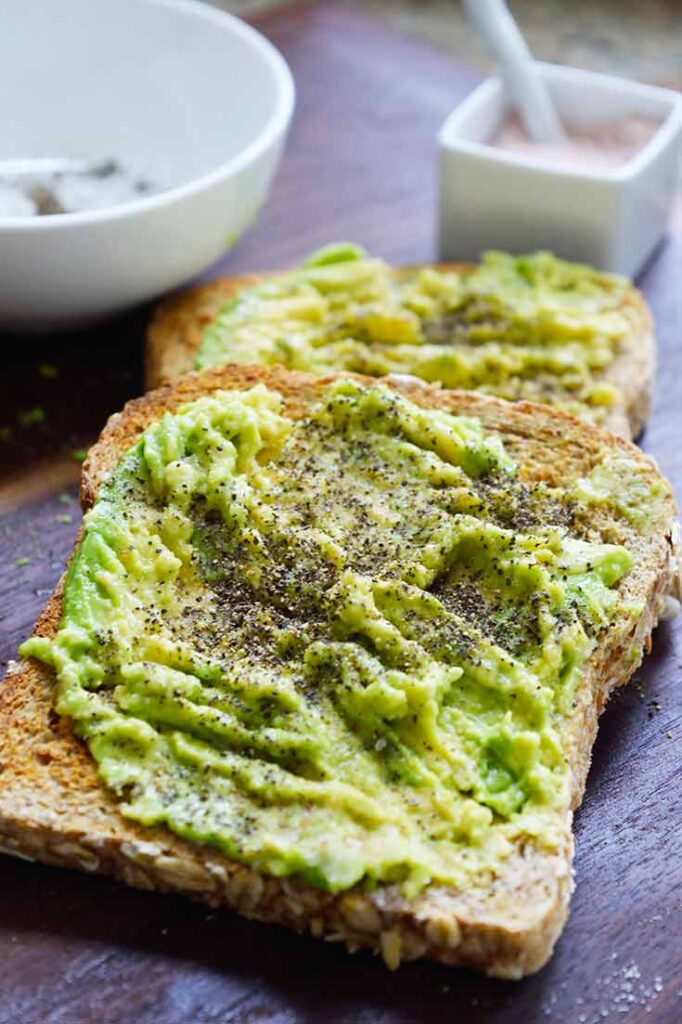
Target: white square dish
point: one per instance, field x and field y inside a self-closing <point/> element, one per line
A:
<point x="611" y="218"/>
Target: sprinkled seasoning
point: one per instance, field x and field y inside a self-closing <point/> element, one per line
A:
<point x="340" y="648"/>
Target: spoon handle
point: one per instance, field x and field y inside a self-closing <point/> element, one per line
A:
<point x="20" y="167"/>
<point x="520" y="72"/>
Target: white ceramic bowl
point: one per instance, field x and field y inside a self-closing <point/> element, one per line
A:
<point x="613" y="219"/>
<point x="183" y="94"/>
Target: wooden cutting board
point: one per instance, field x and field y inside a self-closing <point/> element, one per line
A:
<point x="76" y="949"/>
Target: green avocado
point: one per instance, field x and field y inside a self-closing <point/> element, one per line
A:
<point x="528" y="327"/>
<point x="626" y="486"/>
<point x="342" y="647"/>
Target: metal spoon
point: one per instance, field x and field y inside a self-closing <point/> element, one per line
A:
<point x="31" y="177"/>
<point x="40" y="166"/>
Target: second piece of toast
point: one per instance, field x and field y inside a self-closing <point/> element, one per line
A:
<point x="541" y="305"/>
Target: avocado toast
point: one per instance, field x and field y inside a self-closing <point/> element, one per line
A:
<point x="529" y="327"/>
<point x="570" y="532"/>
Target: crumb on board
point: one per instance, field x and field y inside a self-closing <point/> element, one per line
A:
<point x="48" y="371"/>
<point x="31" y="417"/>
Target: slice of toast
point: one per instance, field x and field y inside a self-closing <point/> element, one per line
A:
<point x="176" y="330"/>
<point x="54" y="809"/>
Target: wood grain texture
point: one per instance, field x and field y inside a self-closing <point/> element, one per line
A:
<point x="82" y="950"/>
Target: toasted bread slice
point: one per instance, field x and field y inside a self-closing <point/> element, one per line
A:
<point x="54" y="809"/>
<point x="177" y="327"/>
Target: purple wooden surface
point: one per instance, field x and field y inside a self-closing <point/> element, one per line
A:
<point x="77" y="949"/>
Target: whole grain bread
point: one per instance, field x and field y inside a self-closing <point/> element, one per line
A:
<point x="54" y="809"/>
<point x="176" y="329"/>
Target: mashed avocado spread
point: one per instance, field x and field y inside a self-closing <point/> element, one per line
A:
<point x="340" y="647"/>
<point x="531" y="327"/>
<point x="625" y="485"/>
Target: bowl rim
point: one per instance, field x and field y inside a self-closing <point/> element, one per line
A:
<point x="664" y="137"/>
<point x="275" y="128"/>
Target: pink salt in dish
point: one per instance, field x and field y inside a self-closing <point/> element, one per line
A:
<point x="605" y="145"/>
